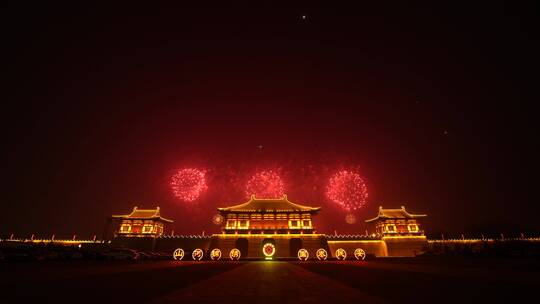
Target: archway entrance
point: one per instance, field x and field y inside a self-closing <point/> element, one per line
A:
<point x="242" y="244"/>
<point x="294" y="245"/>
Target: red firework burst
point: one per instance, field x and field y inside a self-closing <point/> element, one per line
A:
<point x="265" y="184"/>
<point x="188" y="184"/>
<point x="348" y="190"/>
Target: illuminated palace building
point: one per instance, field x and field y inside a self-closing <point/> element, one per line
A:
<point x="140" y="223"/>
<point x="272" y="229"/>
<point x="268" y="216"/>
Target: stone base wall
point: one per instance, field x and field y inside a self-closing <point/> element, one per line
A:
<point x="287" y="245"/>
<point x="405" y="246"/>
<point x="373" y="248"/>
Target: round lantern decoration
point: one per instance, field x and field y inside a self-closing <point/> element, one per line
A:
<point x="197" y="254"/>
<point x="217" y="219"/>
<point x="215" y="254"/>
<point x="178" y="254"/>
<point x="322" y="254"/>
<point x="341" y="254"/>
<point x="234" y="254"/>
<point x="359" y="254"/>
<point x="303" y="254"/>
<point x="269" y="249"/>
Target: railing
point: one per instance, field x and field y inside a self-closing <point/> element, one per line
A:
<point x="192" y="236"/>
<point x="57" y="241"/>
<point x="465" y="240"/>
<point x="351" y="236"/>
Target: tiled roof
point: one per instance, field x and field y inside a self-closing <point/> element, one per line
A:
<point x="143" y="214"/>
<point x="395" y="214"/>
<point x="269" y="205"/>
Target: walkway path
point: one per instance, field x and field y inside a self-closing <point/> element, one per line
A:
<point x="267" y="282"/>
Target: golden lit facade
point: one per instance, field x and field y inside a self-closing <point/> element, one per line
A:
<point x="397" y="222"/>
<point x="273" y="229"/>
<point x="140" y="223"/>
<point x="268" y="216"/>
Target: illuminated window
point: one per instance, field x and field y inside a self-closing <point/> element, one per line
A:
<point x="147" y="228"/>
<point x="269" y="217"/>
<point x="243" y="224"/>
<point x="413" y="227"/>
<point x="391" y="228"/>
<point x="125" y="228"/>
<point x="231" y="224"/>
<point x="281" y="216"/>
<point x="306" y="224"/>
<point x="294" y="216"/>
<point x="231" y="216"/>
<point x="256" y="217"/>
<point x="243" y="216"/>
<point x="306" y="216"/>
<point x="294" y="224"/>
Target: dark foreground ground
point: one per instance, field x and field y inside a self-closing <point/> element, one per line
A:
<point x="455" y="280"/>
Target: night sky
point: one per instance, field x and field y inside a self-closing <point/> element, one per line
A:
<point x="433" y="105"/>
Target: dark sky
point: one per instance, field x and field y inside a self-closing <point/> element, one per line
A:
<point x="434" y="104"/>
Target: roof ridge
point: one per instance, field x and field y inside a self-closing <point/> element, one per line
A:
<point x="283" y="199"/>
<point x="391" y="213"/>
<point x="143" y="213"/>
<point x="299" y="205"/>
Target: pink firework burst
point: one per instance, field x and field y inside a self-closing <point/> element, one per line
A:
<point x="265" y="184"/>
<point x="348" y="190"/>
<point x="188" y="184"/>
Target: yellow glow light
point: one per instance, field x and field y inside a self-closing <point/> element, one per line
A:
<point x="390" y="228"/>
<point x="359" y="254"/>
<point x="341" y="254"/>
<point x="303" y="254"/>
<point x="322" y="254"/>
<point x="178" y="254"/>
<point x="215" y="254"/>
<point x="197" y="254"/>
<point x="234" y="254"/>
<point x="404" y="237"/>
<point x="288" y="235"/>
<point x="412" y="227"/>
<point x="269" y="249"/>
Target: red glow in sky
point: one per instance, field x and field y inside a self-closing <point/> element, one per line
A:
<point x="188" y="184"/>
<point x="350" y="219"/>
<point x="265" y="184"/>
<point x="348" y="190"/>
